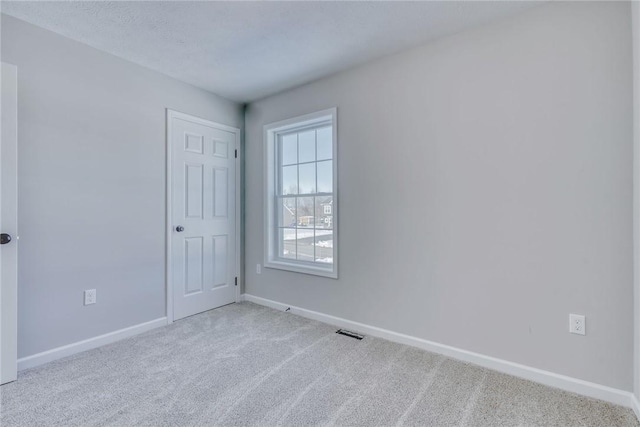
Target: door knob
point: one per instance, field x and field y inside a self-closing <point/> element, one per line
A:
<point x="179" y="229"/>
<point x="5" y="238"/>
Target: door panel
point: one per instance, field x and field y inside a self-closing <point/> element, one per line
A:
<point x="221" y="190"/>
<point x="9" y="225"/>
<point x="193" y="265"/>
<point x="220" y="260"/>
<point x="203" y="202"/>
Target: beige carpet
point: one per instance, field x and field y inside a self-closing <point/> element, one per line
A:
<point x="245" y="364"/>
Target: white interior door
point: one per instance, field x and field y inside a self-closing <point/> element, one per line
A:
<point x="9" y="225"/>
<point x="202" y="214"/>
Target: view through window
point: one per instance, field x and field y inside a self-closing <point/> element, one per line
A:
<point x="305" y="195"/>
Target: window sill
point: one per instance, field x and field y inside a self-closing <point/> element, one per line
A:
<point x="300" y="268"/>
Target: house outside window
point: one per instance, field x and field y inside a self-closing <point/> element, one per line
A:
<point x="301" y="194"/>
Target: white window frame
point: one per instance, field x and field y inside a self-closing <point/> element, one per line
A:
<point x="271" y="131"/>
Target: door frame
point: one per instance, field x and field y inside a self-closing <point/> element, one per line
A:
<point x="170" y="115"/>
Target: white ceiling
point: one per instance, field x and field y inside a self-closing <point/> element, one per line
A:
<point x="247" y="50"/>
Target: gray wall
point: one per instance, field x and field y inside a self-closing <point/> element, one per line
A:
<point x="485" y="191"/>
<point x="91" y="185"/>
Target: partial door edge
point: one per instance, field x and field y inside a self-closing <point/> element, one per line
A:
<point x="9" y="224"/>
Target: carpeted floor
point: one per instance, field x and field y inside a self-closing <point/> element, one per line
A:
<point x="244" y="364"/>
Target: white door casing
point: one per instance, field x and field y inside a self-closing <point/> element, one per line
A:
<point x="202" y="235"/>
<point x="9" y="225"/>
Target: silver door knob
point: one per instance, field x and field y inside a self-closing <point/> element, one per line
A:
<point x="179" y="229"/>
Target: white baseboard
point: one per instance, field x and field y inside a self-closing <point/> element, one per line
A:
<point x="88" y="344"/>
<point x="574" y="385"/>
<point x="635" y="405"/>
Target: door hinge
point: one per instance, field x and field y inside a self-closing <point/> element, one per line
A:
<point x="236" y="281"/>
<point x="236" y="153"/>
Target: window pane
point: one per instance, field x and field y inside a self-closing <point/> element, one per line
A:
<point x="307" y="146"/>
<point x="289" y="149"/>
<point x="287" y="212"/>
<point x="325" y="177"/>
<point x="307" y="178"/>
<point x="305" y="245"/>
<point x="305" y="231"/>
<point x="287" y="237"/>
<point x="324" y="246"/>
<point x="324" y="213"/>
<point x="289" y="184"/>
<point x="324" y="229"/>
<point x="306" y="217"/>
<point x="325" y="143"/>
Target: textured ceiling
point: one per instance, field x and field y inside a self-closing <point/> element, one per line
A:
<point x="247" y="50"/>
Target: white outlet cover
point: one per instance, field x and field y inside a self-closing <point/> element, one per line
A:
<point x="577" y="324"/>
<point x="258" y="268"/>
<point x="89" y="296"/>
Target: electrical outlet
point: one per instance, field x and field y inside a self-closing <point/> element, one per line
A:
<point x="89" y="296"/>
<point x="577" y="324"/>
<point x="258" y="268"/>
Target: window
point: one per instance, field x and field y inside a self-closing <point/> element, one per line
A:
<point x="301" y="194"/>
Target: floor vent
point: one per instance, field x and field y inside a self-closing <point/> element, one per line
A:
<point x="349" y="334"/>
